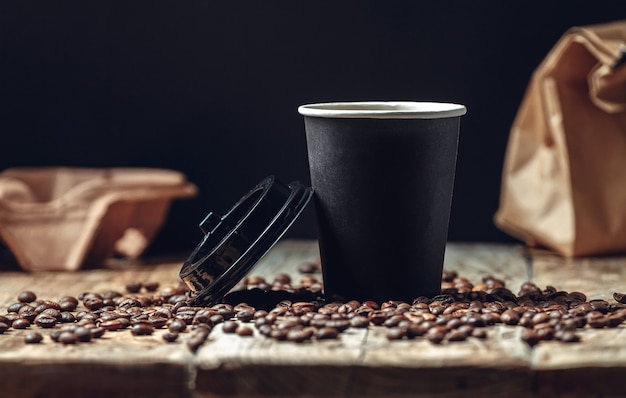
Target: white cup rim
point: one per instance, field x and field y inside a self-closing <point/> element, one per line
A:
<point x="383" y="110"/>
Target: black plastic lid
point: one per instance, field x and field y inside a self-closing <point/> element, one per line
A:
<point x="234" y="243"/>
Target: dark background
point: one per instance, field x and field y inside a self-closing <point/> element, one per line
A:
<point x="211" y="88"/>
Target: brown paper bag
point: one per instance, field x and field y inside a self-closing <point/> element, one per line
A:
<point x="564" y="177"/>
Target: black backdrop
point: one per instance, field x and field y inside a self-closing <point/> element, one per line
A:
<point x="211" y="88"/>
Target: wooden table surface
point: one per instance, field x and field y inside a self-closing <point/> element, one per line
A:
<point x="361" y="363"/>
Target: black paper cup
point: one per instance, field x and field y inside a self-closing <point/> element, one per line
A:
<point x="383" y="175"/>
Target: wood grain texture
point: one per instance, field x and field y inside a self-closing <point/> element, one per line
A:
<point x="361" y="363"/>
<point x="364" y="363"/>
<point x="118" y="364"/>
<point x="597" y="366"/>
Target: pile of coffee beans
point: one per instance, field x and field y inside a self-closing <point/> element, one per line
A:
<point x="463" y="310"/>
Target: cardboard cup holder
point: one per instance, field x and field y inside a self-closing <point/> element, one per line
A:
<point x="61" y="218"/>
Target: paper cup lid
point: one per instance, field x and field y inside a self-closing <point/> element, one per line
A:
<point x="234" y="243"/>
<point x="383" y="110"/>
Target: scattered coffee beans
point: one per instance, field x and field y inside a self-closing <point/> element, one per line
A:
<point x="283" y="310"/>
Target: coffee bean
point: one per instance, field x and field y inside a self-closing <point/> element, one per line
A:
<point x="527" y="320"/>
<point x="544" y="333"/>
<point x="540" y="317"/>
<point x="530" y="337"/>
<point x="67" y="337"/>
<point x="151" y="286"/>
<point x="46" y="304"/>
<point x="225" y="310"/>
<point x="93" y="303"/>
<point x="436" y="335"/>
<point x="479" y="333"/>
<point x="598" y="322"/>
<point x="619" y="297"/>
<point x="456" y="335"/>
<point x="15" y="307"/>
<point x="112" y="325"/>
<point x="85" y="315"/>
<point x="170" y="337"/>
<point x="307" y="281"/>
<point x="491" y="318"/>
<point x="97" y="332"/>
<point x="308" y="267"/>
<point x="377" y="317"/>
<point x="123" y="322"/>
<point x="158" y="322"/>
<point x="449" y="275"/>
<point x="44" y="320"/>
<point x="569" y="337"/>
<point x="229" y="326"/>
<point x="67" y="317"/>
<point x="177" y="326"/>
<point x="338" y="324"/>
<point x="413" y="330"/>
<point x="279" y="334"/>
<point x="265" y="330"/>
<point x="327" y="333"/>
<point x="244" y="330"/>
<point x="3" y="327"/>
<point x="20" y="323"/>
<point x="282" y="278"/>
<point x="26" y="297"/>
<point x="185" y="316"/>
<point x="395" y="333"/>
<point x="615" y="320"/>
<point x="393" y="321"/>
<point x="359" y="322"/>
<point x="129" y="303"/>
<point x="197" y="338"/>
<point x="576" y="297"/>
<point x="33" y="338"/>
<point x="54" y="335"/>
<point x="256" y="280"/>
<point x="599" y="305"/>
<point x="83" y="334"/>
<point x="142" y="329"/>
<point x="70" y="299"/>
<point x="299" y="335"/>
<point x="10" y="317"/>
<point x="454" y="323"/>
<point x="288" y="323"/>
<point x="245" y="314"/>
<point x="133" y="287"/>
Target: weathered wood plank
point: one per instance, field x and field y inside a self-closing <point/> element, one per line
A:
<point x="597" y="366"/>
<point x="118" y="364"/>
<point x="362" y="363"/>
<point x="365" y="363"/>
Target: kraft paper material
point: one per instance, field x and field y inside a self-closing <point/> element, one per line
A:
<point x="564" y="176"/>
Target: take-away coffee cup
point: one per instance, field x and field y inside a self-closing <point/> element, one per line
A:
<point x="383" y="176"/>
